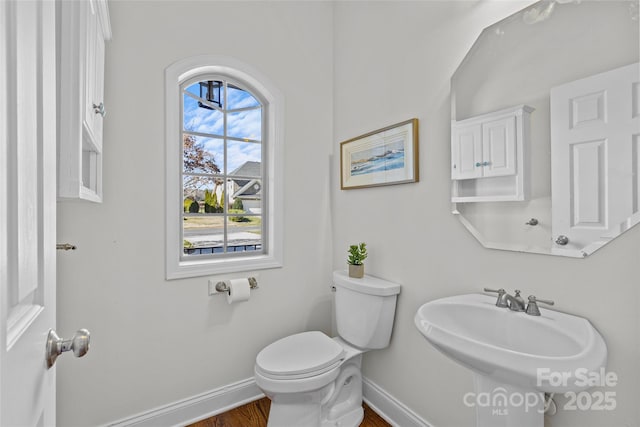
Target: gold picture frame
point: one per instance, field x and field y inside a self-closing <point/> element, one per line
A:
<point x="386" y="156"/>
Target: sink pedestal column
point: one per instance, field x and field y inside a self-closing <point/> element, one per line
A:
<point x="503" y="405"/>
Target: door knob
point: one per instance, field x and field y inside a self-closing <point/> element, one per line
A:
<point x="56" y="345"/>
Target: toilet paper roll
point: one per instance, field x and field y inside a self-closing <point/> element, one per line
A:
<point x="239" y="290"/>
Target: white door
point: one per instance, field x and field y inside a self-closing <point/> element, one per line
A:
<point x="595" y="124"/>
<point x="27" y="210"/>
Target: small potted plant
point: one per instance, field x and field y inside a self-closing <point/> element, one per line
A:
<point x="357" y="254"/>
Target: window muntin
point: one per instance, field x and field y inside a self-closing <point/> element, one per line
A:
<point x="200" y="68"/>
<point x="222" y="171"/>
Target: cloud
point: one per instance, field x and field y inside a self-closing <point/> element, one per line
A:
<point x="238" y="98"/>
<point x="239" y="153"/>
<point x="241" y="124"/>
<point x="245" y="124"/>
<point x="203" y="120"/>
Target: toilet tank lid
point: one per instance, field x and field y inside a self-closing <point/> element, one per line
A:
<point x="367" y="285"/>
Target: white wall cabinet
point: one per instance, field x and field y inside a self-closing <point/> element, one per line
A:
<point x="83" y="29"/>
<point x="488" y="156"/>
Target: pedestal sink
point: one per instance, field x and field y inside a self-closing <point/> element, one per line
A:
<point x="515" y="357"/>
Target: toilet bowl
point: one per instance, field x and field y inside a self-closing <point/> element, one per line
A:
<point x="314" y="380"/>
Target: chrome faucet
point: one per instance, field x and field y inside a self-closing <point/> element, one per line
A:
<point x="516" y="302"/>
<point x="532" y="307"/>
<point x="502" y="297"/>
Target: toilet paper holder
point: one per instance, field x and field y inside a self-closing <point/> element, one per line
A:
<point x="221" y="287"/>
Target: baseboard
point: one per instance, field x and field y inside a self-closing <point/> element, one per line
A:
<point x="225" y="398"/>
<point x="389" y="408"/>
<point x="195" y="408"/>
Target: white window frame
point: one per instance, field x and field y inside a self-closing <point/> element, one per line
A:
<point x="175" y="75"/>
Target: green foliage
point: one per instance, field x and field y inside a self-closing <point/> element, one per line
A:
<point x="238" y="218"/>
<point x="357" y="254"/>
<point x="187" y="204"/>
<point x="194" y="207"/>
<point x="210" y="201"/>
<point x="237" y="204"/>
<point x="237" y="207"/>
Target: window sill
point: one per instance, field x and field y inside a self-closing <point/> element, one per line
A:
<point x="197" y="268"/>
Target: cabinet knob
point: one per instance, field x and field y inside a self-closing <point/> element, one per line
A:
<point x="562" y="240"/>
<point x="478" y="164"/>
<point x="99" y="109"/>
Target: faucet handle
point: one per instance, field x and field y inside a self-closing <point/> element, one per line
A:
<point x="502" y="296"/>
<point x="517" y="304"/>
<point x="532" y="307"/>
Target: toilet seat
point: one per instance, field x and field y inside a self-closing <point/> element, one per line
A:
<point x="298" y="356"/>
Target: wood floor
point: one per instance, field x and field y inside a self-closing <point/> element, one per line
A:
<point x="255" y="414"/>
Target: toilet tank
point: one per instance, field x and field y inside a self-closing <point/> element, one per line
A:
<point x="365" y="309"/>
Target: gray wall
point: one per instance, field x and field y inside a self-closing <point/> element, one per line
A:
<point x="155" y="342"/>
<point x="393" y="61"/>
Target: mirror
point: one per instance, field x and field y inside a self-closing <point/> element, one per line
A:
<point x="576" y="190"/>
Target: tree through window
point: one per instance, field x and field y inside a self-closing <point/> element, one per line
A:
<point x="222" y="171"/>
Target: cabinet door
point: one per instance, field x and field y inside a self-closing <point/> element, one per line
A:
<point x="499" y="147"/>
<point x="93" y="112"/>
<point x="83" y="27"/>
<point x="94" y="81"/>
<point x="466" y="152"/>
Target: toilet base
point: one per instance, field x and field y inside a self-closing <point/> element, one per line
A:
<point x="350" y="419"/>
<point x="302" y="415"/>
<point x="299" y="414"/>
<point x="344" y="407"/>
<point x="338" y="404"/>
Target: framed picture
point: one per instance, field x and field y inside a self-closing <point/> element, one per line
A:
<point x="383" y="157"/>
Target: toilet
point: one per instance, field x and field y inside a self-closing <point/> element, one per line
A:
<point x="316" y="381"/>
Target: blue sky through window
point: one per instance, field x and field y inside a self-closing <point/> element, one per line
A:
<point x="245" y="124"/>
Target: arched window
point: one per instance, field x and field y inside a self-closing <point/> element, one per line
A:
<point x="223" y="125"/>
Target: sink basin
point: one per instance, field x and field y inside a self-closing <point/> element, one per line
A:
<point x="554" y="352"/>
